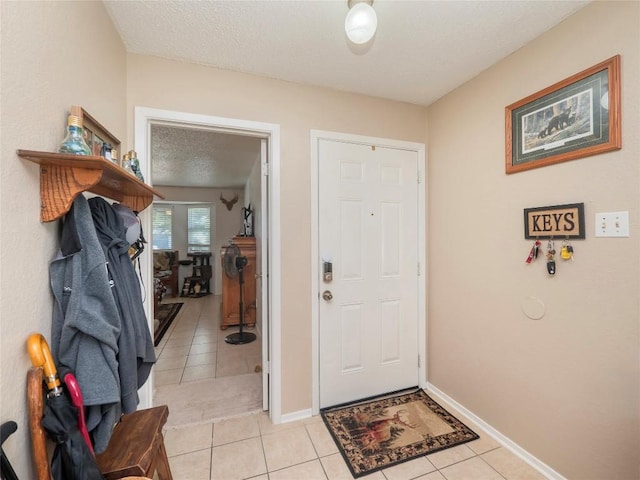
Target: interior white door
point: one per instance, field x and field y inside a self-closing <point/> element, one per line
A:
<point x="368" y="232"/>
<point x="262" y="260"/>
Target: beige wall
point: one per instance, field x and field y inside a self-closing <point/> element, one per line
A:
<point x="164" y="84"/>
<point x="564" y="387"/>
<point x="54" y="55"/>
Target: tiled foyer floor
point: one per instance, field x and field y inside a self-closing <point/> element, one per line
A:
<point x="200" y="376"/>
<point x="194" y="348"/>
<point x="249" y="446"/>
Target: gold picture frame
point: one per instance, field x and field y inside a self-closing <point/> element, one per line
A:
<point x="95" y="135"/>
<point x="577" y="117"/>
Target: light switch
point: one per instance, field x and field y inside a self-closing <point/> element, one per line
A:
<point x="612" y="224"/>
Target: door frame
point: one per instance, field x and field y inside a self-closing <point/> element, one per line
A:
<point x="143" y="119"/>
<point x="419" y="148"/>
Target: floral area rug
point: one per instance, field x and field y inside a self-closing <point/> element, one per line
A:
<point x="384" y="431"/>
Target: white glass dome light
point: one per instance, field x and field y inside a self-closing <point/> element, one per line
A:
<point x="361" y="23"/>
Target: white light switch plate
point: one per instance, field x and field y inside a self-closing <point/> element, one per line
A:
<point x="612" y="224"/>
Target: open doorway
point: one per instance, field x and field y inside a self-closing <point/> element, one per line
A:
<point x="211" y="183"/>
<point x="253" y="186"/>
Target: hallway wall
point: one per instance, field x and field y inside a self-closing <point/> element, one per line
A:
<point x="54" y="55"/>
<point x="565" y="387"/>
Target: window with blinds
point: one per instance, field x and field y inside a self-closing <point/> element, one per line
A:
<point x="162" y="223"/>
<point x="199" y="229"/>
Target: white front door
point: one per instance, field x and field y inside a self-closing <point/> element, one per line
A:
<point x="368" y="232"/>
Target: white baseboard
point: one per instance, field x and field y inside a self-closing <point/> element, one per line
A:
<point x="505" y="441"/>
<point x="299" y="415"/>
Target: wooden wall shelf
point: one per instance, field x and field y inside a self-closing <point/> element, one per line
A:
<point x="63" y="177"/>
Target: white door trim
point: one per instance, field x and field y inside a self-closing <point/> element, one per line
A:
<point x="143" y="119"/>
<point x="316" y="136"/>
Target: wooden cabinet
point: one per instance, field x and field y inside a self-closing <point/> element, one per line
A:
<point x="231" y="286"/>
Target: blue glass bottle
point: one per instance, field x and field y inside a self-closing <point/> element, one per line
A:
<point x="74" y="141"/>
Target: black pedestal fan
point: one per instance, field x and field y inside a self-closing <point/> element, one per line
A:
<point x="234" y="264"/>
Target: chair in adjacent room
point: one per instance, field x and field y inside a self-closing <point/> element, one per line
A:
<point x="165" y="268"/>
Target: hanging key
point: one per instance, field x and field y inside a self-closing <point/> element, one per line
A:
<point x="551" y="263"/>
<point x="551" y="267"/>
<point x="567" y="250"/>
<point x="533" y="254"/>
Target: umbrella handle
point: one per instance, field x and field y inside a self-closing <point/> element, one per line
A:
<point x="40" y="355"/>
<point x="76" y="399"/>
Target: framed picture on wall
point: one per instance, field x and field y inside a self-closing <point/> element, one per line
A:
<point x="95" y="135"/>
<point x="575" y="118"/>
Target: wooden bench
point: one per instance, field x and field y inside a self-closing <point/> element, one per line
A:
<point x="136" y="446"/>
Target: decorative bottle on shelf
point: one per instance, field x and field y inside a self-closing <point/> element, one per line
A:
<point x="105" y="151"/>
<point x="126" y="163"/>
<point x="135" y="165"/>
<point x="74" y="141"/>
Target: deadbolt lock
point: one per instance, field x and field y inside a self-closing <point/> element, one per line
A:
<point x="327" y="271"/>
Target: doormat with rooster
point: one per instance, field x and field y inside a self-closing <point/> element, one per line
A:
<point x="377" y="433"/>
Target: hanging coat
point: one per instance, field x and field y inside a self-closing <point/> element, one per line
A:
<point x="136" y="353"/>
<point x="86" y="325"/>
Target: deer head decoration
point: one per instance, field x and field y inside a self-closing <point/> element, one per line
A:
<point x="229" y="203"/>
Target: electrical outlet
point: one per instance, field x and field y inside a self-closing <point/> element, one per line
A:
<point x="612" y="224"/>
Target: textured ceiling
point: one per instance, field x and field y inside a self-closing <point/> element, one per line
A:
<point x="422" y="50"/>
<point x="201" y="158"/>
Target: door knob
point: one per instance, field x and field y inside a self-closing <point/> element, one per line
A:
<point x="327" y="296"/>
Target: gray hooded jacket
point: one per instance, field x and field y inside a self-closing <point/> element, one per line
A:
<point x="136" y="354"/>
<point x="86" y="325"/>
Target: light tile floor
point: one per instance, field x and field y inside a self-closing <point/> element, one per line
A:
<point x="193" y="348"/>
<point x="200" y="376"/>
<point x="251" y="447"/>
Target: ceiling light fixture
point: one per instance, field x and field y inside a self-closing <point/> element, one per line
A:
<point x="361" y="22"/>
